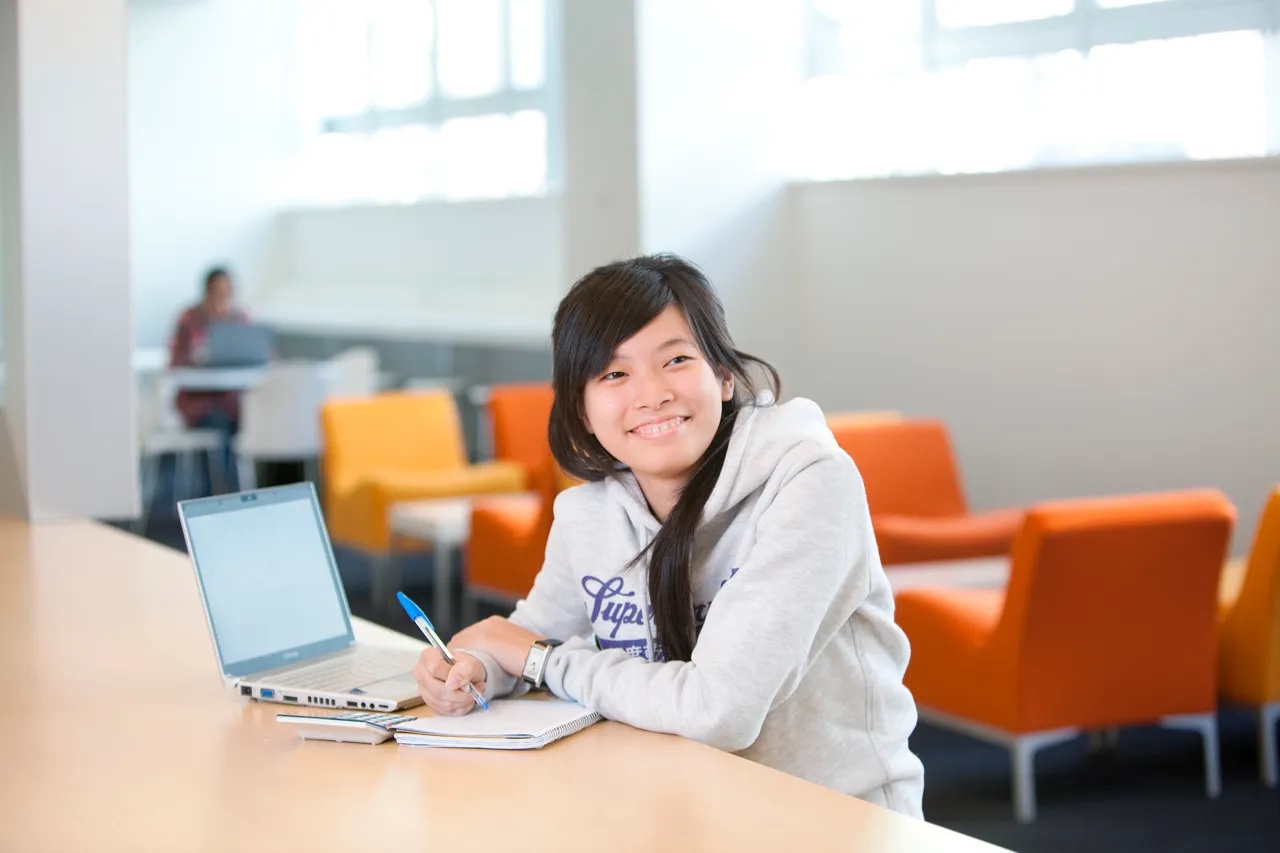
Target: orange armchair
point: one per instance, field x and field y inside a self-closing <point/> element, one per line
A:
<point x="1249" y="639"/>
<point x="918" y="510"/>
<point x="509" y="534"/>
<point x="399" y="446"/>
<point x="1108" y="620"/>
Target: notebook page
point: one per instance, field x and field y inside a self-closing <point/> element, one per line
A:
<point x="505" y="718"/>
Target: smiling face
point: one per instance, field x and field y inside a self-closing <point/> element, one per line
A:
<point x="656" y="406"/>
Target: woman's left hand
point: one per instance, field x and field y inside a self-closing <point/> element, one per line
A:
<point x="508" y="644"/>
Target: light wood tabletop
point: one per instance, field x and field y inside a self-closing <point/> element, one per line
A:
<point x="117" y="735"/>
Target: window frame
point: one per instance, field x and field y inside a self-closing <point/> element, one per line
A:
<point x="438" y="108"/>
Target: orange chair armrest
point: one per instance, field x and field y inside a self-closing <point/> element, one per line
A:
<point x="918" y="539"/>
<point x="961" y="620"/>
<point x="956" y="666"/>
<point x="483" y="478"/>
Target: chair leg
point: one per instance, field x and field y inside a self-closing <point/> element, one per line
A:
<point x="183" y="477"/>
<point x="1022" y="752"/>
<point x="217" y="477"/>
<point x="1268" y="717"/>
<point x="443" y="588"/>
<point x="150" y="482"/>
<point x="1103" y="740"/>
<point x="1022" y="755"/>
<point x="385" y="573"/>
<point x="1207" y="726"/>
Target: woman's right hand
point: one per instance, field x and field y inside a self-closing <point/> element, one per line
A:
<point x="442" y="687"/>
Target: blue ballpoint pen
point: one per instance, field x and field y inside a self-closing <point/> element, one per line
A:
<point x="428" y="630"/>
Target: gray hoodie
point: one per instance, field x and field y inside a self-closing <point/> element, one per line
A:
<point x="798" y="663"/>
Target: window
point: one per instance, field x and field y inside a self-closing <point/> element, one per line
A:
<point x="424" y="99"/>
<point x="953" y="86"/>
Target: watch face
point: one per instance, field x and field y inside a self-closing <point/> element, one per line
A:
<point x="533" y="663"/>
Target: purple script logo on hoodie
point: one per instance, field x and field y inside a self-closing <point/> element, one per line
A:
<point x="616" y="613"/>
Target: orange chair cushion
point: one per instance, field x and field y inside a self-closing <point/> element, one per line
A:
<point x="918" y="539"/>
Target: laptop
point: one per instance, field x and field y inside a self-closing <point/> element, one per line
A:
<point x="238" y="345"/>
<point x="276" y="609"/>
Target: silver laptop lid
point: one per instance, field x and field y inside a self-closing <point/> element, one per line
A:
<point x="267" y="577"/>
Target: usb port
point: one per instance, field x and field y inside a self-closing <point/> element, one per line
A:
<point x="351" y="704"/>
<point x="267" y="693"/>
<point x="288" y="698"/>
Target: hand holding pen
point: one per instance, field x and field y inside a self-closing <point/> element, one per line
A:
<point x="428" y="630"/>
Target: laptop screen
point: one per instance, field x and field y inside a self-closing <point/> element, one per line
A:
<point x="270" y="585"/>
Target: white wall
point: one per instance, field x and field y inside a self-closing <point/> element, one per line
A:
<point x="212" y="125"/>
<point x="69" y="434"/>
<point x="476" y="258"/>
<point x="1081" y="332"/>
<point x="598" y="46"/>
<point x="713" y="181"/>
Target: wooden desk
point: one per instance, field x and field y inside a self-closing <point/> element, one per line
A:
<point x="118" y="736"/>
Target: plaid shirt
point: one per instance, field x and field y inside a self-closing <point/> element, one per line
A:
<point x="188" y="337"/>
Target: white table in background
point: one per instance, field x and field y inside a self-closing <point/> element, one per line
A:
<point x="153" y="361"/>
<point x="976" y="573"/>
<point x="215" y="378"/>
<point x="445" y="523"/>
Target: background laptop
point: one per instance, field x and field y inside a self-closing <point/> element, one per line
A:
<point x="238" y="345"/>
<point x="275" y="605"/>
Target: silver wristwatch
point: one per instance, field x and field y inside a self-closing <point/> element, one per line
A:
<point x="535" y="665"/>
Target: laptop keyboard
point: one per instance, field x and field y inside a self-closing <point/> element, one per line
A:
<point x="341" y="674"/>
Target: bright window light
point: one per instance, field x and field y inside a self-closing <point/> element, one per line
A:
<point x="981" y="13"/>
<point x="904" y="97"/>
<point x="423" y="99"/>
<point x="470" y="47"/>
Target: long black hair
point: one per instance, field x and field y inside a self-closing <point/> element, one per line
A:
<point x="604" y="308"/>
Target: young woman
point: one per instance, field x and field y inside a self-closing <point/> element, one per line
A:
<point x="716" y="577"/>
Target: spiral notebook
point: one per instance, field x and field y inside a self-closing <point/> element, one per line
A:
<point x="527" y="723"/>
